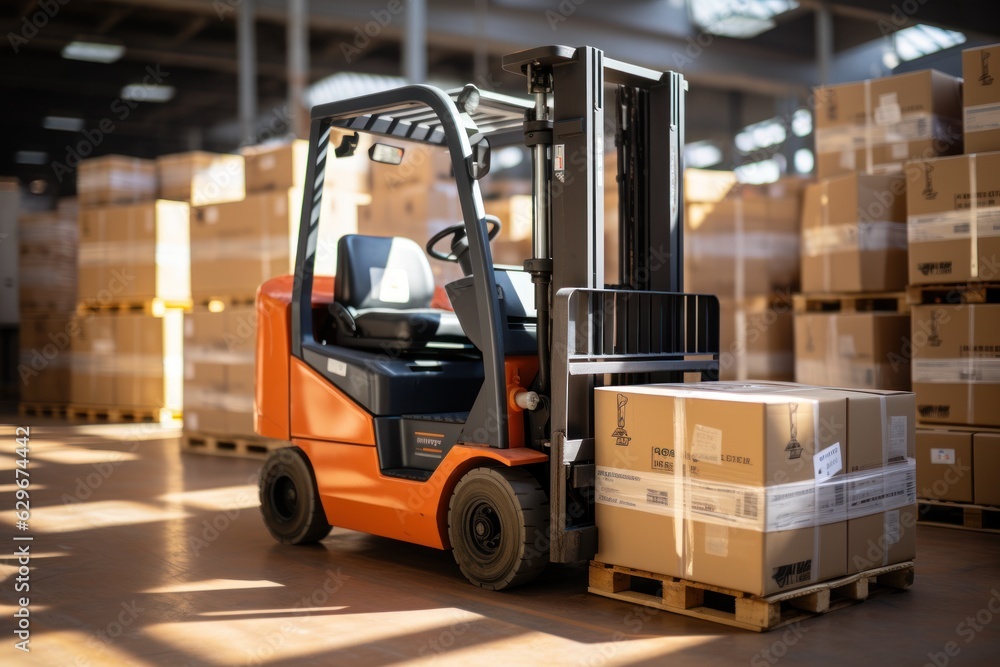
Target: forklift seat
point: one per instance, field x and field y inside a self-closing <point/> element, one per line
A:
<point x="383" y="293"/>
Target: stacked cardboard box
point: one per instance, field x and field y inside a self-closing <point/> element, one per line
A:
<point x="132" y="279"/>
<point x="201" y="178"/>
<point x="854" y="222"/>
<point x="741" y="243"/>
<point x="235" y="246"/>
<point x="954" y="270"/>
<point x="47" y="250"/>
<point x="802" y="483"/>
<point x="116" y="179"/>
<point x="854" y="245"/>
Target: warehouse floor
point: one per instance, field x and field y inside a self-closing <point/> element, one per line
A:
<point x="144" y="555"/>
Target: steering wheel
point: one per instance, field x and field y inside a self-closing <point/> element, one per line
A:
<point x="458" y="230"/>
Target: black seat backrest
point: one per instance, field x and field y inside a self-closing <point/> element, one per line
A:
<point x="382" y="272"/>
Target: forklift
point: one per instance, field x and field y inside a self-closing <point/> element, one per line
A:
<point x="470" y="428"/>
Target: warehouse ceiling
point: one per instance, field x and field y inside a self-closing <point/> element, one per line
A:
<point x="190" y="45"/>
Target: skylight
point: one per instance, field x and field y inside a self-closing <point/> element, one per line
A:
<point x="737" y="18"/>
<point x="922" y="40"/>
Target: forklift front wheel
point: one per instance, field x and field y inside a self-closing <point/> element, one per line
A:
<point x="289" y="499"/>
<point x="498" y="523"/>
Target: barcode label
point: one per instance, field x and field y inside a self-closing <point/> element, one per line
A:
<point x="750" y="505"/>
<point x="657" y="497"/>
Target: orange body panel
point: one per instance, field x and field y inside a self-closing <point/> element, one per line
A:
<point x="355" y="495"/>
<point x="520" y="372"/>
<point x="271" y="393"/>
<point x="320" y="411"/>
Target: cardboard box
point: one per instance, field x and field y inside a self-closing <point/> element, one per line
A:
<point x="952" y="236"/>
<point x="45" y="359"/>
<point x="854" y="350"/>
<point x="276" y="166"/>
<point x="47" y="256"/>
<point x="986" y="469"/>
<point x="92" y="361"/>
<point x="219" y="370"/>
<point x="742" y="246"/>
<point x="854" y="234"/>
<point x="10" y="197"/>
<point x="516" y="214"/>
<point x="201" y="178"/>
<point x="876" y="125"/>
<point x="881" y="506"/>
<point x="756" y="339"/>
<point x="134" y="252"/>
<point x="115" y="179"/>
<point x="238" y="245"/>
<point x="956" y="363"/>
<point x="945" y="465"/>
<point x="981" y="99"/>
<point x="665" y="500"/>
<point x="422" y="164"/>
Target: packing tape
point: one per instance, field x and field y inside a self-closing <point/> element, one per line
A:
<point x="765" y="509"/>
<point x="824" y="207"/>
<point x="864" y="237"/>
<point x="965" y="370"/>
<point x="868" y="127"/>
<point x="209" y="354"/>
<point x="679" y="486"/>
<point x="993" y="367"/>
<point x="740" y="317"/>
<point x="218" y="399"/>
<point x="755" y="245"/>
<point x="981" y="117"/>
<point x="740" y="278"/>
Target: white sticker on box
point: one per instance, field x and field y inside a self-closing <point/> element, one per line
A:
<point x="900" y="151"/>
<point x="891" y="527"/>
<point x="706" y="445"/>
<point x="943" y="456"/>
<point x="982" y="118"/>
<point x="828" y="462"/>
<point x="897" y="437"/>
<point x="336" y="367"/>
<point x="845" y="346"/>
<point x="717" y="540"/>
<point x="888" y="112"/>
<point x="211" y="215"/>
<point x="267" y="162"/>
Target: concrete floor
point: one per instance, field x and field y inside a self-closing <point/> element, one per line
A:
<point x="142" y="555"/>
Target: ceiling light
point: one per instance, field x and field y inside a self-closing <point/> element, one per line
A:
<point x="804" y="161"/>
<point x="802" y="122"/>
<point x="923" y="40"/>
<point x="31" y="157"/>
<point x="701" y="154"/>
<point x="94" y="52"/>
<point x="141" y="92"/>
<point x="737" y="18"/>
<point x="64" y="123"/>
<point x="765" y="171"/>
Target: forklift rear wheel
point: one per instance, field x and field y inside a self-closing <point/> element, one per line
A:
<point x="289" y="499"/>
<point x="498" y="523"/>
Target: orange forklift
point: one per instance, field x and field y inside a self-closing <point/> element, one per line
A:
<point x="470" y="427"/>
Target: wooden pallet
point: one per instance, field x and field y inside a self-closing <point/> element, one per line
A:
<point x="145" y="306"/>
<point x="117" y="414"/>
<point x="742" y="610"/>
<point x="973" y="292"/>
<point x="212" y="302"/>
<point x="876" y="302"/>
<point x="49" y="410"/>
<point x="242" y="446"/>
<point x="964" y="516"/>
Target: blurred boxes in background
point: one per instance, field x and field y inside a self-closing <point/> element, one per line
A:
<point x="219" y="370"/>
<point x="953" y="236"/>
<point x="876" y="125"/>
<point x="986" y="469"/>
<point x="10" y="278"/>
<point x="44" y="361"/>
<point x="115" y="179"/>
<point x="956" y="363"/>
<point x="944" y="465"/>
<point x="47" y="256"/>
<point x="864" y="350"/>
<point x="238" y="245"/>
<point x="201" y="178"/>
<point x="981" y="99"/>
<point x="128" y="360"/>
<point x="756" y="339"/>
<point x="854" y="234"/>
<point x="134" y="252"/>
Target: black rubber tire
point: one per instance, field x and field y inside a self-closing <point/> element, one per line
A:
<point x="289" y="499"/>
<point x="498" y="525"/>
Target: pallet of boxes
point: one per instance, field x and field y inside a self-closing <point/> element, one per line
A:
<point x="954" y="271"/>
<point x="235" y="246"/>
<point x="132" y="272"/>
<point x="852" y="319"/>
<point x="741" y="243"/>
<point x="759" y="504"/>
<point x="47" y="257"/>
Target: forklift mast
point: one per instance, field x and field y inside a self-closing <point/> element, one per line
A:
<point x="643" y="328"/>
